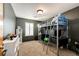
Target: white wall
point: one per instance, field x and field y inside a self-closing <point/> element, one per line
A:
<point x="9" y="20"/>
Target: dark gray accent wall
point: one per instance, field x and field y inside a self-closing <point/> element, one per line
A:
<point x="73" y="16"/>
<point x="9" y="21"/>
<point x="21" y="22"/>
<point x="74" y="29"/>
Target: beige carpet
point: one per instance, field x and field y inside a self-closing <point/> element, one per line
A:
<point x="35" y="48"/>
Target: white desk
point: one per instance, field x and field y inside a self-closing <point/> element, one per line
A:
<point x="11" y="46"/>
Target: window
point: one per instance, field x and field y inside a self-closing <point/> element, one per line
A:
<point x="28" y="29"/>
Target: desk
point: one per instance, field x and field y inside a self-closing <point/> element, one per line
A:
<point x="12" y="46"/>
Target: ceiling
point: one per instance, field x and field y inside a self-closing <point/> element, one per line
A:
<point x="29" y="10"/>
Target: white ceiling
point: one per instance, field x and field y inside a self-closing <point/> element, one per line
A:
<point x="29" y="10"/>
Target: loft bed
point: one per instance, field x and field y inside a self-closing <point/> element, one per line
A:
<point x="52" y="26"/>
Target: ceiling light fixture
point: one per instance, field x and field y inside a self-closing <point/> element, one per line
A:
<point x="39" y="11"/>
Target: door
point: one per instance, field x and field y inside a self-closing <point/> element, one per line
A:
<point x="1" y="29"/>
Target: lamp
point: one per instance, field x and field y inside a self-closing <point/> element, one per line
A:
<point x="39" y="11"/>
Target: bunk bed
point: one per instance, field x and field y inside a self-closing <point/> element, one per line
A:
<point x="49" y="30"/>
<point x="56" y="30"/>
<point x="62" y="30"/>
